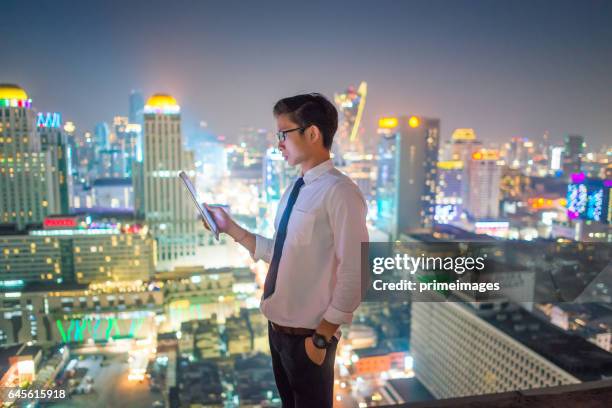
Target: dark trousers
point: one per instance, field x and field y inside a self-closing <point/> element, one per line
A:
<point x="301" y="383"/>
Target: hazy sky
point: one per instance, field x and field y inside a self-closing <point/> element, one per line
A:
<point x="505" y="68"/>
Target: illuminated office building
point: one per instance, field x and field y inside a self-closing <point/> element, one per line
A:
<point x="128" y="142"/>
<point x="113" y="193"/>
<point x="572" y="154"/>
<point x="136" y="108"/>
<point x="276" y="175"/>
<point x="213" y="159"/>
<point x="351" y="105"/>
<point x="459" y="150"/>
<point x="56" y="314"/>
<point x="27" y="194"/>
<point x="166" y="206"/>
<point x="86" y="157"/>
<point x="484" y="185"/>
<point x="461" y="146"/>
<point x="462" y="349"/>
<point x="449" y="195"/>
<point x="102" y="135"/>
<point x="54" y="140"/>
<point x="407" y="174"/>
<point x="69" y="250"/>
<point x="122" y="149"/>
<point x="519" y="153"/>
<point x="556" y="156"/>
<point x="111" y="163"/>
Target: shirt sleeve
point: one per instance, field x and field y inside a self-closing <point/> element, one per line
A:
<point x="263" y="248"/>
<point x="347" y="212"/>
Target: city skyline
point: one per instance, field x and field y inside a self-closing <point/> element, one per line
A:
<point x="504" y="69"/>
<point x="461" y="221"/>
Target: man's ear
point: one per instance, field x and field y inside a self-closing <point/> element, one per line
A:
<point x="315" y="134"/>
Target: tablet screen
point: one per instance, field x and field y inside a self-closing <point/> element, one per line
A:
<point x="206" y="216"/>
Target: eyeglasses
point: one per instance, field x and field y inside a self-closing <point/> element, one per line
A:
<point x="281" y="135"/>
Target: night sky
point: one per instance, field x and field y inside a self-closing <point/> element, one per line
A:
<point x="505" y="68"/>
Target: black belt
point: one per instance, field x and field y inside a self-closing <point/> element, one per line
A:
<point x="294" y="331"/>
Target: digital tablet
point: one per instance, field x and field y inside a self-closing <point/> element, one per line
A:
<point x="206" y="216"/>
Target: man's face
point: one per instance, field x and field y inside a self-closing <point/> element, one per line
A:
<point x="295" y="148"/>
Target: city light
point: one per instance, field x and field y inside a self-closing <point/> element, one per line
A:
<point x="388" y="123"/>
<point x="113" y="290"/>
<point x="414" y="122"/>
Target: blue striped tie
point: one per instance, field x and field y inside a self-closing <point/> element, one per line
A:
<point x="281" y="234"/>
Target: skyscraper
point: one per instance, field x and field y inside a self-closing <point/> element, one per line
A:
<point x="136" y="107"/>
<point x="128" y="140"/>
<point x="460" y="148"/>
<point x="26" y="196"/>
<point x="462" y="144"/>
<point x="572" y="154"/>
<point x="484" y="184"/>
<point x="407" y="173"/>
<point x="449" y="198"/>
<point x="102" y="135"/>
<point x="165" y="203"/>
<point x="54" y="140"/>
<point x="275" y="175"/>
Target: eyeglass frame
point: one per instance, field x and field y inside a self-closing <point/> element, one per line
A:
<point x="281" y="135"/>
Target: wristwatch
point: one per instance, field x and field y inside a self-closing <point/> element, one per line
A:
<point x="320" y="341"/>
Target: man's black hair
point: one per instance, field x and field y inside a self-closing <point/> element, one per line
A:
<point x="311" y="109"/>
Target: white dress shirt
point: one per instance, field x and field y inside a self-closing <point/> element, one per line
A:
<point x="319" y="275"/>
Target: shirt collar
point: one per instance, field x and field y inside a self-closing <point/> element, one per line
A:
<point x="318" y="170"/>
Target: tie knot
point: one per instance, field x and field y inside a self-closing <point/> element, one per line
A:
<point x="299" y="182"/>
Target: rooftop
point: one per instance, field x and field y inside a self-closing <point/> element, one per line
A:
<point x="584" y="395"/>
<point x="12" y="91"/>
<point x="570" y="352"/>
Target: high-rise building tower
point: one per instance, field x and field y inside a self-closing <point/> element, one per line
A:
<point x="26" y="169"/>
<point x="275" y="175"/>
<point x="449" y="191"/>
<point x="460" y="148"/>
<point x="351" y="105"/>
<point x="407" y="173"/>
<point x="54" y="140"/>
<point x="165" y="203"/>
<point x="572" y="154"/>
<point x="484" y="177"/>
<point x="136" y="107"/>
<point x="102" y="135"/>
<point x="462" y="144"/>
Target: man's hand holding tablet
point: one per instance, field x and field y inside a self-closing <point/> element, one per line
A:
<point x="207" y="218"/>
<point x="216" y="219"/>
<point x="226" y="224"/>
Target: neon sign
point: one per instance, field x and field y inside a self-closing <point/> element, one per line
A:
<point x="49" y="120"/>
<point x="60" y="222"/>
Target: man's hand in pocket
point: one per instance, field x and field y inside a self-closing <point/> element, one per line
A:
<point x="316" y="355"/>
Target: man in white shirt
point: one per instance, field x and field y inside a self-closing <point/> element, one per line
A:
<point x="314" y="282"/>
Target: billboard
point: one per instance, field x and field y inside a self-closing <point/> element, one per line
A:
<point x="588" y="199"/>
